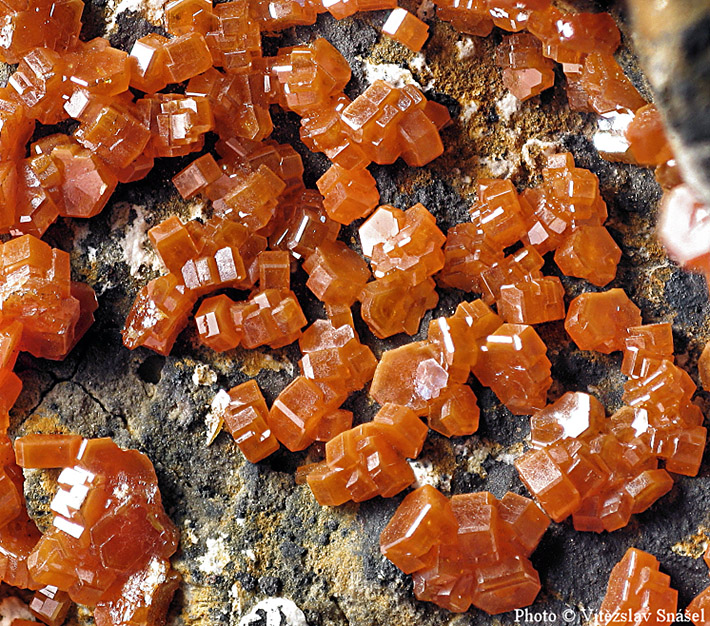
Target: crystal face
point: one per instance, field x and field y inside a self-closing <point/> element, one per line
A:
<point x="230" y="271"/>
<point x="637" y="588"/>
<point x="470" y="550"/>
<point x="108" y="520"/>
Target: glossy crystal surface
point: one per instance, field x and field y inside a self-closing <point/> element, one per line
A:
<point x="469" y="550"/>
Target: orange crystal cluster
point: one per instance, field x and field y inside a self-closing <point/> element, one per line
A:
<point x="109" y="545"/>
<point x="565" y="214"/>
<point x="429" y="377"/>
<point x="119" y="136"/>
<point x="18" y="533"/>
<point x="334" y="364"/>
<point x="601" y="471"/>
<point x="404" y="248"/>
<point x="369" y="460"/>
<point x="638" y="592"/>
<point x="470" y="550"/>
<point x="42" y="311"/>
<point x="256" y="188"/>
<point x="582" y="43"/>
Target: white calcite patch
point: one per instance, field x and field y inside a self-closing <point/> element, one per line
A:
<point x="216" y="556"/>
<point x="507" y="107"/>
<point x="389" y="72"/>
<point x="203" y="376"/>
<point x="215" y="417"/>
<point x="499" y="168"/>
<point x="12" y="608"/>
<point x="277" y="612"/>
<point x="466" y="48"/>
<point x="135" y="245"/>
<point x="468" y="109"/>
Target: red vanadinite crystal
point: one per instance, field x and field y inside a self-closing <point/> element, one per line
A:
<point x="600" y="321"/>
<point x="636" y="588"/>
<point x="472" y="549"/>
<point x="121" y="547"/>
<point x="110" y="541"/>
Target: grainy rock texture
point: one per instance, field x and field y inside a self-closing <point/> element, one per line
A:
<point x="255" y="547"/>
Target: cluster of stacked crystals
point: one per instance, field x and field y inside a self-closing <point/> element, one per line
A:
<point x="429" y="377"/>
<point x="110" y="540"/>
<point x="404" y="248"/>
<point x="599" y="470"/>
<point x="629" y="129"/>
<point x="256" y="188"/>
<point x="109" y="544"/>
<point x="370" y="459"/>
<point x="42" y="311"/>
<point x="565" y="214"/>
<point x="334" y="364"/>
<point x="638" y="593"/>
<point x="582" y="43"/>
<point x="470" y="550"/>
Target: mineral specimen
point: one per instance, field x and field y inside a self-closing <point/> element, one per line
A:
<point x="470" y="550"/>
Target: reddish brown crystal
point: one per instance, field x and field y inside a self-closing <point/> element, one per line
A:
<point x="567" y="37"/>
<point x="683" y="228"/>
<point x="186" y="56"/>
<point x="39" y="83"/>
<point x="336" y="273"/>
<point x="98" y="68"/>
<point x="591" y="253"/>
<point x="36" y="291"/>
<point x="574" y="415"/>
<point x="147" y="62"/>
<point x="160" y="311"/>
<point x="215" y="326"/>
<point x="53" y="24"/>
<point x="89" y="535"/>
<point x="177" y="123"/>
<point x="644" y="345"/>
<point x="636" y="588"/>
<point x="606" y="86"/>
<point x="647" y="137"/>
<point x="388" y="122"/>
<point x="234" y="38"/>
<point x="526" y="72"/>
<point x="455" y="412"/>
<point x="484" y="563"/>
<point x="238" y="103"/>
<point x="246" y="420"/>
<point x="50" y="605"/>
<point x="368" y="460"/>
<point x="423" y="520"/>
<point x="406" y="28"/>
<point x="513" y="363"/>
<point x="323" y="130"/>
<point x="311" y="75"/>
<point x="600" y="321"/>
<point x="470" y="17"/>
<point x="348" y="195"/>
<point x="410" y="375"/>
<point x="532" y="301"/>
